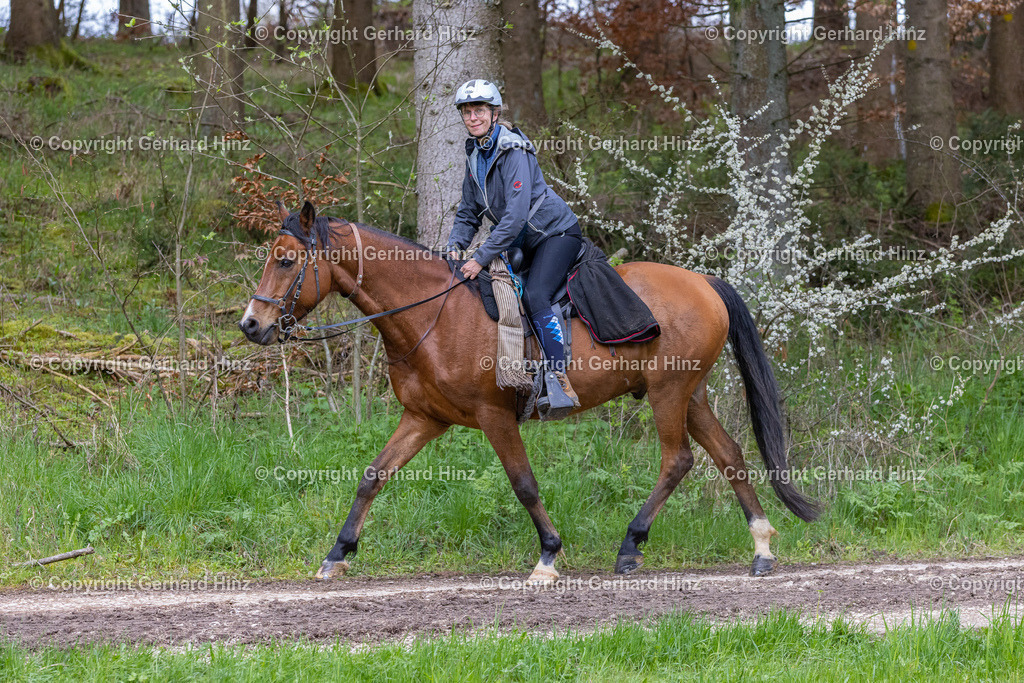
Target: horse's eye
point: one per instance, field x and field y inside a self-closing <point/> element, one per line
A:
<point x="286" y="263"/>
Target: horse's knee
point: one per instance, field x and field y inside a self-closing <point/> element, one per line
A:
<point x="685" y="461"/>
<point x="680" y="465"/>
<point x="732" y="454"/>
<point x="368" y="487"/>
<point x="525" y="488"/>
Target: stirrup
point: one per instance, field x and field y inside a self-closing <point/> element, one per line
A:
<point x="563" y="379"/>
<point x="558" y="399"/>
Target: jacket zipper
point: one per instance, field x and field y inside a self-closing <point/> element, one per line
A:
<point x="487" y="172"/>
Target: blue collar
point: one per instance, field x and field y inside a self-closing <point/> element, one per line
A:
<point x="490" y="143"/>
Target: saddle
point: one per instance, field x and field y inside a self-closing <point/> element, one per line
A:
<point x="483" y="287"/>
<point x="592" y="291"/>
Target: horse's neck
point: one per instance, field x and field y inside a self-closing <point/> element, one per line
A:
<point x="397" y="275"/>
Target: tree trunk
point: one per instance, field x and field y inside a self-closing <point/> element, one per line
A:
<point x="218" y="68"/>
<point x="454" y="43"/>
<point x="33" y="24"/>
<point x="280" y="48"/>
<point x="522" y="53"/>
<point x="354" y="55"/>
<point x="932" y="173"/>
<point x="830" y="15"/>
<point x="877" y="139"/>
<point x="251" y="12"/>
<point x="78" y="21"/>
<point x="760" y="78"/>
<point x="137" y="10"/>
<point x="1006" y="62"/>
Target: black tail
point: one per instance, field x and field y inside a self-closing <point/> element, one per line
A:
<point x="763" y="400"/>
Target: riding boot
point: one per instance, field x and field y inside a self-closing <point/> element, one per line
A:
<point x="558" y="398"/>
<point x="563" y="380"/>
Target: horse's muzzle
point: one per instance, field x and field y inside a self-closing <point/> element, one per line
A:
<point x="252" y="330"/>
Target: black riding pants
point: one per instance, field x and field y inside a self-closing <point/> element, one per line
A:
<point x="549" y="264"/>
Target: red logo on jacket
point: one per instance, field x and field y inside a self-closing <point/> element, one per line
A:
<point x="517" y="184"/>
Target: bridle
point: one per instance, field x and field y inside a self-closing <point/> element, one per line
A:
<point x="287" y="322"/>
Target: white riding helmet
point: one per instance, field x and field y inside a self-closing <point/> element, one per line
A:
<point x="477" y="90"/>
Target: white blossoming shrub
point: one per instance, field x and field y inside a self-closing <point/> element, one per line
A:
<point x="800" y="288"/>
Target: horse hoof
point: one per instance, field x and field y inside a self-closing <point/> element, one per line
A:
<point x="542" y="576"/>
<point x="332" y="570"/>
<point x="762" y="565"/>
<point x="625" y="564"/>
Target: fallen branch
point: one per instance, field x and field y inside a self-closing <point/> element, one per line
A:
<point x="80" y="386"/>
<point x="214" y="312"/>
<point x="88" y="550"/>
<point x="33" y="406"/>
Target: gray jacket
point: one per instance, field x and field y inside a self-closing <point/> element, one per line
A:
<point x="514" y="197"/>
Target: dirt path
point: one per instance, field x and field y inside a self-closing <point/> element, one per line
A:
<point x="372" y="609"/>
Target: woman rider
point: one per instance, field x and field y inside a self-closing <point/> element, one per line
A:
<point x="504" y="183"/>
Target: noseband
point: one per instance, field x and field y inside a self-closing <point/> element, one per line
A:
<point x="287" y="322"/>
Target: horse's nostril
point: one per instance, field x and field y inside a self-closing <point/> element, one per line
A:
<point x="248" y="325"/>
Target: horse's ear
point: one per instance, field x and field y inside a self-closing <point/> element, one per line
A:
<point x="307" y="216"/>
<point x="281" y="209"/>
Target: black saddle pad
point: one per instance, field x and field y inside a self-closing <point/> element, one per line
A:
<point x="613" y="312"/>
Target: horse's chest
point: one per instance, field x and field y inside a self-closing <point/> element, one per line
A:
<point x="413" y="391"/>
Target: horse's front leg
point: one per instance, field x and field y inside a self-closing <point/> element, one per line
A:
<point x="413" y="433"/>
<point x="503" y="433"/>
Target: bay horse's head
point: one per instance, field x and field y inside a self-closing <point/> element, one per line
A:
<point x="293" y="283"/>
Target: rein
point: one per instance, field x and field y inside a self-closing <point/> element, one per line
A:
<point x="287" y="323"/>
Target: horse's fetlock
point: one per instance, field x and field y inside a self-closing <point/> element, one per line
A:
<point x="637" y="534"/>
<point x="550" y="545"/>
<point x="343" y="548"/>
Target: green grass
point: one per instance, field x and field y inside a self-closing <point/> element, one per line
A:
<point x="187" y="498"/>
<point x="182" y="497"/>
<point x="677" y="647"/>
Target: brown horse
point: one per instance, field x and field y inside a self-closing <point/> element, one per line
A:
<point x="441" y="365"/>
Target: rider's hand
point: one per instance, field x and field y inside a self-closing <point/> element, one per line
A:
<point x="471" y="269"/>
<point x="453" y="255"/>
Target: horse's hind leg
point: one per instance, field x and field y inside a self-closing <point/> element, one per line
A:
<point x="503" y="433"/>
<point x="669" y="406"/>
<point x="709" y="433"/>
<point x="413" y="433"/>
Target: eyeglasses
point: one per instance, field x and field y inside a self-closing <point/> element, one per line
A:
<point x="480" y="112"/>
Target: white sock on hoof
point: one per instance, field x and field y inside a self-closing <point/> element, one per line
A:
<point x="543" y="573"/>
<point x="762" y="531"/>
